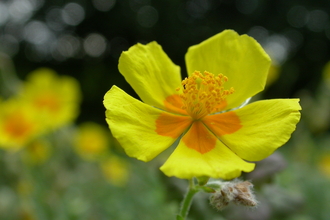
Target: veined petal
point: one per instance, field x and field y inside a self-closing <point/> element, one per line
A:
<point x="190" y="159"/>
<point x="264" y="127"/>
<point x="240" y="58"/>
<point x="134" y="124"/>
<point x="150" y="72"/>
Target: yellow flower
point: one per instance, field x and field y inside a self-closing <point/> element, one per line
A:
<point x="91" y="141"/>
<point x="55" y="98"/>
<point x="217" y="136"/>
<point x="115" y="170"/>
<point x="17" y="124"/>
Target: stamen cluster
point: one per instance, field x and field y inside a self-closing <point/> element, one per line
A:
<point x="203" y="94"/>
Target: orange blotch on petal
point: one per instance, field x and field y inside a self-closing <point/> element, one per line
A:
<point x="172" y="125"/>
<point x="222" y="124"/>
<point x="173" y="103"/>
<point x="199" y="138"/>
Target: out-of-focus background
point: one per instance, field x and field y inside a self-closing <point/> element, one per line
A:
<point x="58" y="58"/>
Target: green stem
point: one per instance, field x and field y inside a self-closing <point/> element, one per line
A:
<point x="186" y="203"/>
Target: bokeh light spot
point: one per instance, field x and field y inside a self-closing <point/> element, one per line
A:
<point x="317" y="20"/>
<point x="297" y="16"/>
<point x="147" y="16"/>
<point x="197" y="8"/>
<point x="259" y="33"/>
<point x="4" y="15"/>
<point x="20" y="11"/>
<point x="95" y="45"/>
<point x="54" y="19"/>
<point x="68" y="46"/>
<point x="73" y="14"/>
<point x="277" y="46"/>
<point x="104" y="5"/>
<point x="37" y="32"/>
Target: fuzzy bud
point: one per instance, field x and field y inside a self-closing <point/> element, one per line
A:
<point x="237" y="192"/>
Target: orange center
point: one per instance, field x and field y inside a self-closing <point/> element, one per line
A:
<point x="203" y="94"/>
<point x="17" y="126"/>
<point x="200" y="96"/>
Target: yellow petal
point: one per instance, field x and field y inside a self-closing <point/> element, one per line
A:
<point x="265" y="126"/>
<point x="133" y="124"/>
<point x="216" y="161"/>
<point x="150" y="72"/>
<point x="240" y="58"/>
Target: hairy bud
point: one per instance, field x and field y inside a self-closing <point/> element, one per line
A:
<point x="237" y="192"/>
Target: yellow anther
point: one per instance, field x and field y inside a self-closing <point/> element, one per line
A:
<point x="202" y="94"/>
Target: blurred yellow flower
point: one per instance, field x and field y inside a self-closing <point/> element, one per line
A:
<point x="324" y="165"/>
<point x="18" y="124"/>
<point x="116" y="170"/>
<point x="91" y="141"/>
<point x="55" y="98"/>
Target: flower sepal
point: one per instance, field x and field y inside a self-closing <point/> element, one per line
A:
<point x="203" y="180"/>
<point x="207" y="189"/>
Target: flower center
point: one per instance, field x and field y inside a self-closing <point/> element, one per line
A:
<point x="48" y="102"/>
<point x="203" y="94"/>
<point x="17" y="126"/>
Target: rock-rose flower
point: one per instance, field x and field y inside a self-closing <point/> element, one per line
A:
<point x="217" y="134"/>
